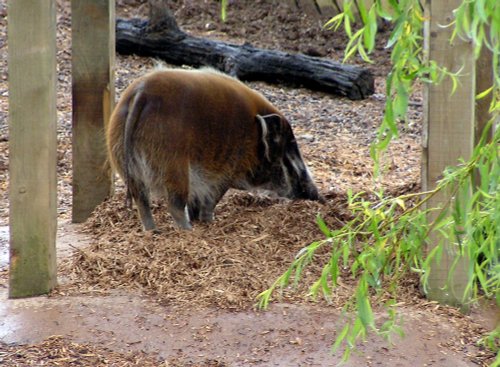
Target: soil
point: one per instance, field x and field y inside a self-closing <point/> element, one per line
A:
<point x="180" y="298"/>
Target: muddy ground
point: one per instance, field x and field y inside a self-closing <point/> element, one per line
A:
<point x="126" y="298"/>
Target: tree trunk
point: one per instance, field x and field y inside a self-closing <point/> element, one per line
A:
<point x="160" y="37"/>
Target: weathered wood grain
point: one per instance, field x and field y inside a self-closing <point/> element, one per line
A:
<point x="449" y="136"/>
<point x="93" y="44"/>
<point x="32" y="156"/>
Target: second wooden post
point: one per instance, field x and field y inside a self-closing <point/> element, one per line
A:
<point x="448" y="137"/>
<point x="93" y="38"/>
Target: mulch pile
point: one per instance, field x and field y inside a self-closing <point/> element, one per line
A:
<point x="225" y="264"/>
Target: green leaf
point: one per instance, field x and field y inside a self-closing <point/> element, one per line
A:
<point x="358" y="330"/>
<point x="455" y="81"/>
<point x="462" y="19"/>
<point x="223" y="13"/>
<point x="382" y="12"/>
<point x="479" y="41"/>
<point x="363" y="54"/>
<point x="362" y="11"/>
<point x="484" y="93"/>
<point x="347" y="354"/>
<point x="323" y="227"/>
<point x="263" y="298"/>
<point x="347" y="26"/>
<point x="396" y="33"/>
<point x="334" y="22"/>
<point x="482" y="279"/>
<point x="370" y="30"/>
<point x="365" y="312"/>
<point x="479" y="10"/>
<point x="395" y="5"/>
<point x="401" y="203"/>
<point x="351" y="47"/>
<point x="389" y="121"/>
<point x="340" y="338"/>
<point x="334" y="268"/>
<point x="400" y="104"/>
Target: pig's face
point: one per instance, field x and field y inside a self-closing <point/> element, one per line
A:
<point x="286" y="172"/>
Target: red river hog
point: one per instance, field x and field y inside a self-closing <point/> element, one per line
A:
<point x="190" y="135"/>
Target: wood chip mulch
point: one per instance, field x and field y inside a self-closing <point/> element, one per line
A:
<point x="225" y="264"/>
<point x="59" y="351"/>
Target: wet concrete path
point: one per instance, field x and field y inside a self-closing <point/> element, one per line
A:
<point x="287" y="335"/>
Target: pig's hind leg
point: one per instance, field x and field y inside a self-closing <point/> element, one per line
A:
<point x="140" y="195"/>
<point x="178" y="209"/>
<point x="177" y="187"/>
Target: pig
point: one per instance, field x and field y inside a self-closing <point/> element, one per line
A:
<point x="190" y="135"/>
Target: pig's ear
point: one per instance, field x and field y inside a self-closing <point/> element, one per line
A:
<point x="271" y="136"/>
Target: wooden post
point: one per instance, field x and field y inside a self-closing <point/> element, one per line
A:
<point x="93" y="39"/>
<point x="310" y="7"/>
<point x="448" y="136"/>
<point x="33" y="146"/>
<point x="328" y="8"/>
<point x="484" y="80"/>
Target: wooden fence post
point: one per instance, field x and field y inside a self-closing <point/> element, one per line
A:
<point x="448" y="136"/>
<point x="484" y="80"/>
<point x="33" y="146"/>
<point x="93" y="52"/>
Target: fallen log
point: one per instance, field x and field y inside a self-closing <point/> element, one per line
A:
<point x="161" y="37"/>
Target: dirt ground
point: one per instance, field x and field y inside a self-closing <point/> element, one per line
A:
<point x="179" y="298"/>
